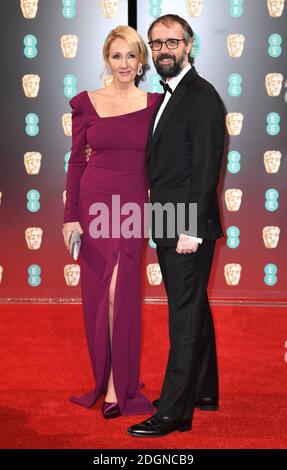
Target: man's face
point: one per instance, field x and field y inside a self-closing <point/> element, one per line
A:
<point x="169" y="63"/>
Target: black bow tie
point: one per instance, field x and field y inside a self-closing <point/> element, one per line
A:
<point x="165" y="86"/>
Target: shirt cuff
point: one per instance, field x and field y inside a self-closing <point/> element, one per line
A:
<point x="196" y="239"/>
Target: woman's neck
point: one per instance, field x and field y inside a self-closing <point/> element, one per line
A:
<point x="122" y="90"/>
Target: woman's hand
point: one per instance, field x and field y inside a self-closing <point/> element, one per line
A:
<point x="88" y="151"/>
<point x="68" y="228"/>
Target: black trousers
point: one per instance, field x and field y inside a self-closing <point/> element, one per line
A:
<point x="192" y="365"/>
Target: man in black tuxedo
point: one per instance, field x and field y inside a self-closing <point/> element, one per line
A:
<point x="184" y="156"/>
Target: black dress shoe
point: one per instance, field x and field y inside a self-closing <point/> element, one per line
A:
<point x="158" y="425"/>
<point x="204" y="404"/>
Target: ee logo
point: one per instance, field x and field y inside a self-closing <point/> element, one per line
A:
<point x="155" y="8"/>
<point x="196" y="44"/>
<point x="233" y="237"/>
<point x="30" y="46"/>
<point x="273" y="123"/>
<point x="151" y="244"/>
<point x="34" y="272"/>
<point x="271" y="200"/>
<point x="67" y="158"/>
<point x="236" y="8"/>
<point x="274" y="41"/>
<point x="33" y="200"/>
<point x="270" y="277"/>
<point x="70" y="83"/>
<point x="69" y="9"/>
<point x="235" y="81"/>
<point x="155" y="86"/>
<point x="32" y="127"/>
<point x="233" y="158"/>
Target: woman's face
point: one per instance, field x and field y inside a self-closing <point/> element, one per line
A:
<point x="123" y="61"/>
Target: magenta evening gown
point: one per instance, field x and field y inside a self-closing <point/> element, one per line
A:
<point x="116" y="167"/>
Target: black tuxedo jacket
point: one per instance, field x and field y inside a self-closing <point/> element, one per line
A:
<point x="185" y="152"/>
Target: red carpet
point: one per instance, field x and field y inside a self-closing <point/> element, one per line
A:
<point x="44" y="361"/>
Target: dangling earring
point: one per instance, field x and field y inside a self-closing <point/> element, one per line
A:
<point x="140" y="70"/>
<point x="108" y="71"/>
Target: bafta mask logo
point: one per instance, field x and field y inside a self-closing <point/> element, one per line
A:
<point x="271" y="236"/>
<point x="33" y="236"/>
<point x="233" y="198"/>
<point x="107" y="80"/>
<point x="31" y="85"/>
<point x="72" y="274"/>
<point x="273" y="83"/>
<point x="194" y="7"/>
<point x="234" y="123"/>
<point x="67" y="124"/>
<point x="232" y="273"/>
<point x="69" y="45"/>
<point x="272" y="161"/>
<point x="275" y="7"/>
<point x="154" y="274"/>
<point x="235" y="45"/>
<point x="110" y="8"/>
<point x="29" y="8"/>
<point x="1" y="273"/>
<point x="32" y="162"/>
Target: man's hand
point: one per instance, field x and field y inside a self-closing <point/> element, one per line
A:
<point x="88" y="152"/>
<point x="68" y="228"/>
<point x="185" y="244"/>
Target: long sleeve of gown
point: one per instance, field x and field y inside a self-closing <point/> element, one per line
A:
<point x="77" y="161"/>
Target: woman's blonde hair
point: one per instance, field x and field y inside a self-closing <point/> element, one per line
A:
<point x="131" y="36"/>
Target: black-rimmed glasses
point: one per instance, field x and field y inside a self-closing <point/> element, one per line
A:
<point x="170" y="44"/>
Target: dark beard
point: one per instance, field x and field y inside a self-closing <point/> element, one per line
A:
<point x="169" y="71"/>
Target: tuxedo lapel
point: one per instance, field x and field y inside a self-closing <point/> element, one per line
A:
<point x="169" y="110"/>
<point x="150" y="133"/>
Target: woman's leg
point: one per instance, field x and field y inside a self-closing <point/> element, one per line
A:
<point x="111" y="393"/>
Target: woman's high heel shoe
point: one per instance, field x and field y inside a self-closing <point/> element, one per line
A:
<point x="111" y="410"/>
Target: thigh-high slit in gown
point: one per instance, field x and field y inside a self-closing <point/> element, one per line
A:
<point x="115" y="175"/>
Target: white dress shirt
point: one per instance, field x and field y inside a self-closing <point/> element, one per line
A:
<point x="173" y="82"/>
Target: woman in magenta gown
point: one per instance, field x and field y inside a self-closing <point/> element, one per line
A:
<point x="114" y="121"/>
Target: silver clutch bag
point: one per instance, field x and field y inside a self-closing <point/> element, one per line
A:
<point x="75" y="244"/>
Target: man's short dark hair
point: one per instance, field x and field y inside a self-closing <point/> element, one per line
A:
<point x="169" y="19"/>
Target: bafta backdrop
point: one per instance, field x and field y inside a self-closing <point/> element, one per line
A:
<point x="54" y="51"/>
